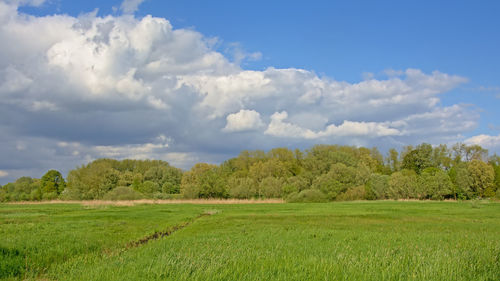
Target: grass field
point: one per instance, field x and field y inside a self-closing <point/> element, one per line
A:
<point x="333" y="241"/>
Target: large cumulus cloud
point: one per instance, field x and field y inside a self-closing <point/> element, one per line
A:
<point x="73" y="89"/>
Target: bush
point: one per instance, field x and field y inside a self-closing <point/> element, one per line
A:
<point x="241" y="188"/>
<point x="295" y="184"/>
<point x="377" y="186"/>
<point x="271" y="187"/>
<point x="307" y="196"/>
<point x="122" y="193"/>
<point x="148" y="188"/>
<point x="70" y="193"/>
<point x="354" y="193"/>
<point x="49" y="196"/>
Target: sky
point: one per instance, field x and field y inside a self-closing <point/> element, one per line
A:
<point x="199" y="81"/>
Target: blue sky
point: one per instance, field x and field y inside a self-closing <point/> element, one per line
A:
<point x="210" y="78"/>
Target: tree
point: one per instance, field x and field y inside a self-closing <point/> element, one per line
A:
<point x="269" y="168"/>
<point x="204" y="181"/>
<point x="482" y="176"/>
<point x="271" y="187"/>
<point x="241" y="188"/>
<point x="148" y="188"/>
<point x="441" y="157"/>
<point x="419" y="158"/>
<point x="377" y="187"/>
<point x="403" y="184"/>
<point x="435" y="184"/>
<point x="463" y="152"/>
<point x="296" y="184"/>
<point x="392" y="160"/>
<point x="495" y="164"/>
<point x="461" y="180"/>
<point x="339" y="179"/>
<point x="52" y="182"/>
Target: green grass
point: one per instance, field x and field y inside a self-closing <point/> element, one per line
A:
<point x="331" y="241"/>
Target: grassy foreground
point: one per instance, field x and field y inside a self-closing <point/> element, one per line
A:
<point x="331" y="241"/>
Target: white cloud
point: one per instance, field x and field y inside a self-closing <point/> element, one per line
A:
<point x="129" y="151"/>
<point x="239" y="55"/>
<point x="3" y="174"/>
<point x="130" y="6"/>
<point x="278" y="127"/>
<point x="244" y="120"/>
<point x="78" y="88"/>
<point x="486" y="141"/>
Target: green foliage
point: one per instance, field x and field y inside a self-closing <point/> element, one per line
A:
<point x="339" y="172"/>
<point x="99" y="177"/>
<point x="271" y="187"/>
<point x="204" y="181"/>
<point x="353" y="193"/>
<point x="404" y="185"/>
<point x="419" y="158"/>
<point x="482" y="178"/>
<point x="123" y="193"/>
<point x="296" y="184"/>
<point x="377" y="187"/>
<point x="52" y="182"/>
<point x="435" y="184"/>
<point x="241" y="188"/>
<point x="307" y="196"/>
<point x="148" y="188"/>
<point x="495" y="164"/>
<point x="462" y="181"/>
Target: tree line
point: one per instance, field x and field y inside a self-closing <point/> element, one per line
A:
<point x="319" y="174"/>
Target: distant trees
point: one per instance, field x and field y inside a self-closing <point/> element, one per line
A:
<point x="320" y="173"/>
<point x="26" y="188"/>
<point x="151" y="178"/>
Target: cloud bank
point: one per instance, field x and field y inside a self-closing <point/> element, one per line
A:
<point x="73" y="89"/>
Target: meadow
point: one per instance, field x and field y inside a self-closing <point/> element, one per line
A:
<point x="377" y="240"/>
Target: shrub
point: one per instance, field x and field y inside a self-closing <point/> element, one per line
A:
<point x="271" y="187"/>
<point x="353" y="193"/>
<point x="377" y="186"/>
<point x="148" y="188"/>
<point x="241" y="188"/>
<point x="122" y="193"/>
<point x="295" y="184"/>
<point x="70" y="193"/>
<point x="49" y="196"/>
<point x="307" y="196"/>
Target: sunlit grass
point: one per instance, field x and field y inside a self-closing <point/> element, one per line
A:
<point x="332" y="241"/>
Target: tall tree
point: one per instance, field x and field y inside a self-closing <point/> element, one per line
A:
<point x="52" y="182"/>
<point x="482" y="176"/>
<point x="419" y="158"/>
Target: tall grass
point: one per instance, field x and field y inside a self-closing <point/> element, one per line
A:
<point x="331" y="241"/>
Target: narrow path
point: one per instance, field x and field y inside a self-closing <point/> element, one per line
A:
<point x="165" y="233"/>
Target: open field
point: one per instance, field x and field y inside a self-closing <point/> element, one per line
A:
<point x="380" y="240"/>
